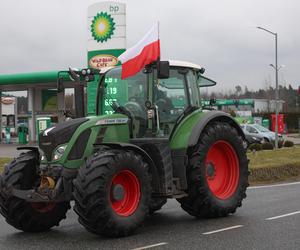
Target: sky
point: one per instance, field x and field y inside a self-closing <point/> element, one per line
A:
<point x="221" y="36"/>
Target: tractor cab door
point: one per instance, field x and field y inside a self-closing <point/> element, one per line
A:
<point x="172" y="96"/>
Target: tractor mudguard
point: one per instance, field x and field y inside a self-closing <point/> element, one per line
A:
<point x="156" y="186"/>
<point x="210" y="117"/>
<point x="34" y="149"/>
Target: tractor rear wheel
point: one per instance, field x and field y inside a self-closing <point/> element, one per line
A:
<point x="21" y="173"/>
<point x="217" y="173"/>
<point x="112" y="193"/>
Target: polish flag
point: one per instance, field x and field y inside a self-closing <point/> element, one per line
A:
<point x="144" y="52"/>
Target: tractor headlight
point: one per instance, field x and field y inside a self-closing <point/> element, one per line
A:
<point x="58" y="153"/>
<point x="42" y="155"/>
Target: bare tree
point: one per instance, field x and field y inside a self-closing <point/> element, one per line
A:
<point x="238" y="90"/>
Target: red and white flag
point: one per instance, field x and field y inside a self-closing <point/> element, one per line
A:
<point x="144" y="52"/>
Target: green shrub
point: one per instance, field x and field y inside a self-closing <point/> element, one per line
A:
<point x="267" y="146"/>
<point x="255" y="146"/>
<point x="288" y="144"/>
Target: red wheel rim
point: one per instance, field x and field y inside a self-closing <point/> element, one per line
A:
<point x="43" y="207"/>
<point x="128" y="203"/>
<point x="222" y="170"/>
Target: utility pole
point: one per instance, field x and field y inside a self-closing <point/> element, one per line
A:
<point x="276" y="79"/>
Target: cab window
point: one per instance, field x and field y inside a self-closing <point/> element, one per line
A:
<point x="193" y="88"/>
<point x="130" y="93"/>
<point x="170" y="96"/>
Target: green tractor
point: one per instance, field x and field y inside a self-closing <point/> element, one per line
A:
<point x="149" y="141"/>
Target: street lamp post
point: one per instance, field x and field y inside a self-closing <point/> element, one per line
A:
<point x="276" y="89"/>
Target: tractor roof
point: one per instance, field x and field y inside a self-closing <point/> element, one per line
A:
<point x="175" y="63"/>
<point x="184" y="64"/>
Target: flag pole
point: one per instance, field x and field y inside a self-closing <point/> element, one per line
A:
<point x="158" y="59"/>
<point x="158" y="28"/>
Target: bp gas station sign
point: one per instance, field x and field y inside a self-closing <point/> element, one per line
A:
<point x="106" y="40"/>
<point x="106" y="33"/>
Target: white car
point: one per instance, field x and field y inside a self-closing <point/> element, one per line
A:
<point x="266" y="134"/>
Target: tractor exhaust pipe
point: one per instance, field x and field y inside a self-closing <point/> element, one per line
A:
<point x="78" y="93"/>
<point x="79" y="100"/>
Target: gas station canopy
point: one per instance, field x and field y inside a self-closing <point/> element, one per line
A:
<point x="24" y="81"/>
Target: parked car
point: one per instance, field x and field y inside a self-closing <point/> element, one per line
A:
<point x="252" y="138"/>
<point x="257" y="130"/>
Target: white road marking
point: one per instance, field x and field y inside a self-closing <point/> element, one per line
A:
<point x="276" y="185"/>
<point x="223" y="229"/>
<point x="283" y="215"/>
<point x="151" y="246"/>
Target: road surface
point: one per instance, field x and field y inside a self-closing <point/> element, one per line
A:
<point x="269" y="219"/>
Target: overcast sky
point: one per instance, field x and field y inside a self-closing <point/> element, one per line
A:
<point x="38" y="35"/>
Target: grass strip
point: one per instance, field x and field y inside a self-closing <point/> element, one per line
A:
<point x="274" y="165"/>
<point x="3" y="161"/>
<point x="274" y="158"/>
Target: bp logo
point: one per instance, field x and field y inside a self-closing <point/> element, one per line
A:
<point x="102" y="27"/>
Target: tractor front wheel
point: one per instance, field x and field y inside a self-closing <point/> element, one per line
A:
<point x="217" y="173"/>
<point x="112" y="193"/>
<point x="22" y="174"/>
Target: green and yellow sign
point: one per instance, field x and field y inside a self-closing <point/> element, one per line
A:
<point x="106" y="40"/>
<point x="102" y="27"/>
<point x="107" y="34"/>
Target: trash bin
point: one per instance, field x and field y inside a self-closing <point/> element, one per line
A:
<point x="280" y="123"/>
<point x="42" y="123"/>
<point x="22" y="133"/>
<point x="7" y="135"/>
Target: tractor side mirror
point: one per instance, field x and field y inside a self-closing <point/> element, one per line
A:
<point x="163" y="69"/>
<point x="73" y="73"/>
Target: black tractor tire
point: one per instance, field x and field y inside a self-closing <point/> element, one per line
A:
<point x="101" y="211"/>
<point x="156" y="204"/>
<point x="207" y="198"/>
<point x="22" y="174"/>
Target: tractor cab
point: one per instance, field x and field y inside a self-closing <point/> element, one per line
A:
<point x="155" y="103"/>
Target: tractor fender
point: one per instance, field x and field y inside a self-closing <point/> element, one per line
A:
<point x="212" y="116"/>
<point x="156" y="186"/>
<point x="34" y="150"/>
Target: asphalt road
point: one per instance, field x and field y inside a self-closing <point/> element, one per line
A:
<point x="269" y="219"/>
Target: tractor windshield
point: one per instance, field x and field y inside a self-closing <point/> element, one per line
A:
<point x="130" y="93"/>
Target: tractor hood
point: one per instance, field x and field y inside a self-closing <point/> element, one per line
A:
<point x="57" y="135"/>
